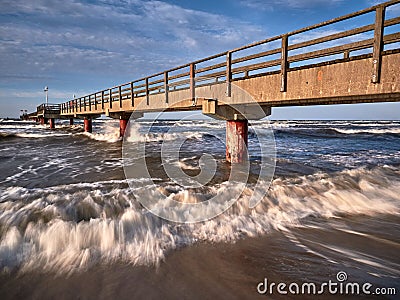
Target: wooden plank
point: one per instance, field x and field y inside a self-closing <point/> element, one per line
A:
<point x="209" y="68"/>
<point x="257" y="55"/>
<point x="179" y="83"/>
<point x="343" y="34"/>
<point x="390" y="38"/>
<point x="284" y="62"/>
<point x="120" y="96"/>
<point x="156" y="81"/>
<point x="253" y="67"/>
<point x="166" y="87"/>
<point x="132" y="95"/>
<point x="228" y="74"/>
<point x="192" y="81"/>
<point x="331" y="51"/>
<point x="147" y="91"/>
<point x="110" y="98"/>
<point x="179" y="75"/>
<point x="378" y="44"/>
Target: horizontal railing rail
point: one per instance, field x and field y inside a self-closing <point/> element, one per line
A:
<point x="230" y="65"/>
<point x="49" y="107"/>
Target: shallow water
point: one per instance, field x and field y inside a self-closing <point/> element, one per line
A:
<point x="67" y="211"/>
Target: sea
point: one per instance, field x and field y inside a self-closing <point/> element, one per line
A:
<point x="71" y="226"/>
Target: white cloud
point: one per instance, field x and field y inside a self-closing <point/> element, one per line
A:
<point x="271" y="4"/>
<point x="137" y="37"/>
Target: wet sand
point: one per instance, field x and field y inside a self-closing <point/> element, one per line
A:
<point x="202" y="271"/>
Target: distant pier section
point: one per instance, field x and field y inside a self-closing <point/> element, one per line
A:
<point x="357" y="65"/>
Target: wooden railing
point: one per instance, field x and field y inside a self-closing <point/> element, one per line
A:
<point x="233" y="65"/>
<point x="49" y="108"/>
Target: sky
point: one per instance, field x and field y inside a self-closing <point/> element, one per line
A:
<point x="79" y="47"/>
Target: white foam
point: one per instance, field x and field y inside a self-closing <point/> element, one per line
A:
<point x="371" y="131"/>
<point x="40" y="135"/>
<point x="71" y="227"/>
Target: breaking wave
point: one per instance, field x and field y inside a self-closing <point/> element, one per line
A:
<point x="326" y="132"/>
<point x="68" y="228"/>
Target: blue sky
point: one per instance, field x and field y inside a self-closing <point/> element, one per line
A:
<point x="78" y="47"/>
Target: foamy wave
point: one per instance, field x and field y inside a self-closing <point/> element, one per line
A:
<point x="72" y="227"/>
<point x="39" y="135"/>
<point x="20" y="126"/>
<point x="134" y="134"/>
<point x="370" y="131"/>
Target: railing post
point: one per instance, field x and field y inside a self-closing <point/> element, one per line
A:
<point x="228" y="74"/>
<point x="147" y="91"/>
<point x="120" y="96"/>
<point x="166" y="88"/>
<point x="132" y="95"/>
<point x="192" y="75"/>
<point x="102" y="99"/>
<point x="110" y="97"/>
<point x="378" y="44"/>
<point x="95" y="101"/>
<point x="80" y="104"/>
<point x="76" y="105"/>
<point x="90" y="103"/>
<point x="284" y="62"/>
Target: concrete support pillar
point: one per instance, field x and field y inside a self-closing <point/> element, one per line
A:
<point x="123" y="123"/>
<point x="237" y="117"/>
<point x="71" y="121"/>
<point x="87" y="124"/>
<point x="52" y="123"/>
<point x="124" y="118"/>
<point x="41" y="120"/>
<point x="236" y="141"/>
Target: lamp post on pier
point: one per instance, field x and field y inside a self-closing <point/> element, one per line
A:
<point x="46" y="90"/>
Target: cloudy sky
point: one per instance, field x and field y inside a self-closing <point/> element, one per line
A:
<point x="78" y="47"/>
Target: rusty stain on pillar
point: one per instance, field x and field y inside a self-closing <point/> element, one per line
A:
<point x="87" y="124"/>
<point x="236" y="141"/>
<point x="123" y="123"/>
<point x="52" y="123"/>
